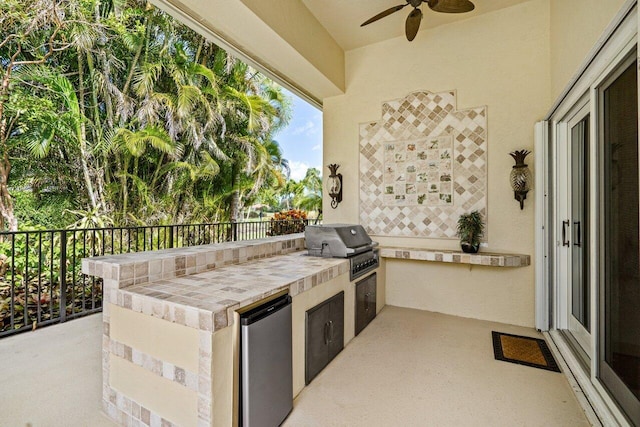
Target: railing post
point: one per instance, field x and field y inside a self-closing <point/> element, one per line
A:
<point x="63" y="275"/>
<point x="234" y="231"/>
<point x="171" y="228"/>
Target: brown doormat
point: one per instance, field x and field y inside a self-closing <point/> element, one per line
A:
<point x="523" y="351"/>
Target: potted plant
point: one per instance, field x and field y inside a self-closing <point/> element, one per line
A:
<point x="470" y="229"/>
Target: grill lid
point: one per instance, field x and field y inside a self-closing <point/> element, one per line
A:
<point x="337" y="240"/>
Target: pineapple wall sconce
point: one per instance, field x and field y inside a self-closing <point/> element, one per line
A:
<point x="334" y="184"/>
<point x="521" y="176"/>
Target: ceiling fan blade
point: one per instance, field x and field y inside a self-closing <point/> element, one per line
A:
<point x="383" y="14"/>
<point x="413" y="23"/>
<point x="451" y="6"/>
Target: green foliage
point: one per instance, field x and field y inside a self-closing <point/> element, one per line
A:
<point x="140" y="119"/>
<point x="310" y="198"/>
<point x="470" y="228"/>
<point x="45" y="210"/>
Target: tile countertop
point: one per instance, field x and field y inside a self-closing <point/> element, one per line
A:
<point x="201" y="286"/>
<point x="456" y="257"/>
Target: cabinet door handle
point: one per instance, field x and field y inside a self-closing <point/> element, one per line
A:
<point x="326" y="333"/>
<point x="565" y="225"/>
<point x="577" y="241"/>
<point x="330" y="330"/>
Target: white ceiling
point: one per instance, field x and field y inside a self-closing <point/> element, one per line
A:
<point x="342" y="18"/>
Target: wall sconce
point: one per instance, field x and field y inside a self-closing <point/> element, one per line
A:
<point x="335" y="185"/>
<point x="521" y="176"/>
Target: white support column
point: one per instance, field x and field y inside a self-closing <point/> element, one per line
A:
<point x="541" y="220"/>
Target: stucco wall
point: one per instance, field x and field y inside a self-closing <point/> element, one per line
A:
<point x="500" y="60"/>
<point x="576" y="25"/>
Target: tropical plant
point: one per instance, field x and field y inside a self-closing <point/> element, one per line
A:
<point x="287" y="222"/>
<point x="159" y="124"/>
<point x="309" y="196"/>
<point x="470" y="229"/>
<point x="32" y="33"/>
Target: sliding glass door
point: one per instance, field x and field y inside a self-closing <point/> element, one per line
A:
<point x="573" y="213"/>
<point x="577" y="234"/>
<point x="619" y="341"/>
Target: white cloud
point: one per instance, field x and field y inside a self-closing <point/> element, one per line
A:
<point x="299" y="169"/>
<point x="316" y="147"/>
<point x="309" y="128"/>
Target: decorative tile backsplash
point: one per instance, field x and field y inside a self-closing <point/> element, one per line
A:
<point x="422" y="165"/>
<point x="418" y="172"/>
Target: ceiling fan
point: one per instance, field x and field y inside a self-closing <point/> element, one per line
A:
<point x="413" y="20"/>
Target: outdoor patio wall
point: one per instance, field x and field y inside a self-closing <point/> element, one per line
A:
<point x="576" y="26"/>
<point x="500" y="60"/>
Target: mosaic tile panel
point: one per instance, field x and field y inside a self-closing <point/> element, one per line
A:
<point x="418" y="172"/>
<point x="423" y="116"/>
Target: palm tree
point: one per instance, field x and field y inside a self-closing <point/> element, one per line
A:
<point x="253" y="110"/>
<point x="31" y="33"/>
<point x="161" y="123"/>
<point x="70" y="123"/>
<point x="289" y="192"/>
<point x="310" y="198"/>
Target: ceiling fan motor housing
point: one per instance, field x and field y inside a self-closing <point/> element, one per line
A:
<point x="412" y="23"/>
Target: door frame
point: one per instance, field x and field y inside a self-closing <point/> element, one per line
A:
<point x="622" y="66"/>
<point x="618" y="41"/>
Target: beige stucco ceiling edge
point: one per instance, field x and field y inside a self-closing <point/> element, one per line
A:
<point x="295" y="24"/>
<point x="235" y="28"/>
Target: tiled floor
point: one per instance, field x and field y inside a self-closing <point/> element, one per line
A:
<point x="416" y="368"/>
<point x="408" y="368"/>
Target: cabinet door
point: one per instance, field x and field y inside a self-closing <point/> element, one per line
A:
<point x="317" y="340"/>
<point x="336" y="325"/>
<point x="361" y="304"/>
<point x="365" y="302"/>
<point x="370" y="298"/>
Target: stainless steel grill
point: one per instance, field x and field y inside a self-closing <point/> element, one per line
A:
<point x="343" y="241"/>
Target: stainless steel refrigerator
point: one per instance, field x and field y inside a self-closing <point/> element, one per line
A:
<point x="266" y="383"/>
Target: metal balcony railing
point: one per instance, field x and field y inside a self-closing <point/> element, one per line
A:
<point x="41" y="281"/>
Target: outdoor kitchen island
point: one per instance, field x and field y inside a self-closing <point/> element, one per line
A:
<point x="170" y="334"/>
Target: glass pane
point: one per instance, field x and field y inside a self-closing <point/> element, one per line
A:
<point x="580" y="302"/>
<point x="622" y="273"/>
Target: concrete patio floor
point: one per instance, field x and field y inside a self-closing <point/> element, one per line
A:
<point x="408" y="368"/>
<point x="53" y="376"/>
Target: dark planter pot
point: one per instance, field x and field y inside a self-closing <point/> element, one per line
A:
<point x="469" y="248"/>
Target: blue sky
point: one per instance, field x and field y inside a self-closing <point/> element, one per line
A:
<point x="301" y="141"/>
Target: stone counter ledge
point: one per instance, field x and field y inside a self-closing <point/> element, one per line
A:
<point x="202" y="286"/>
<point x="142" y="267"/>
<point x="456" y="257"/>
